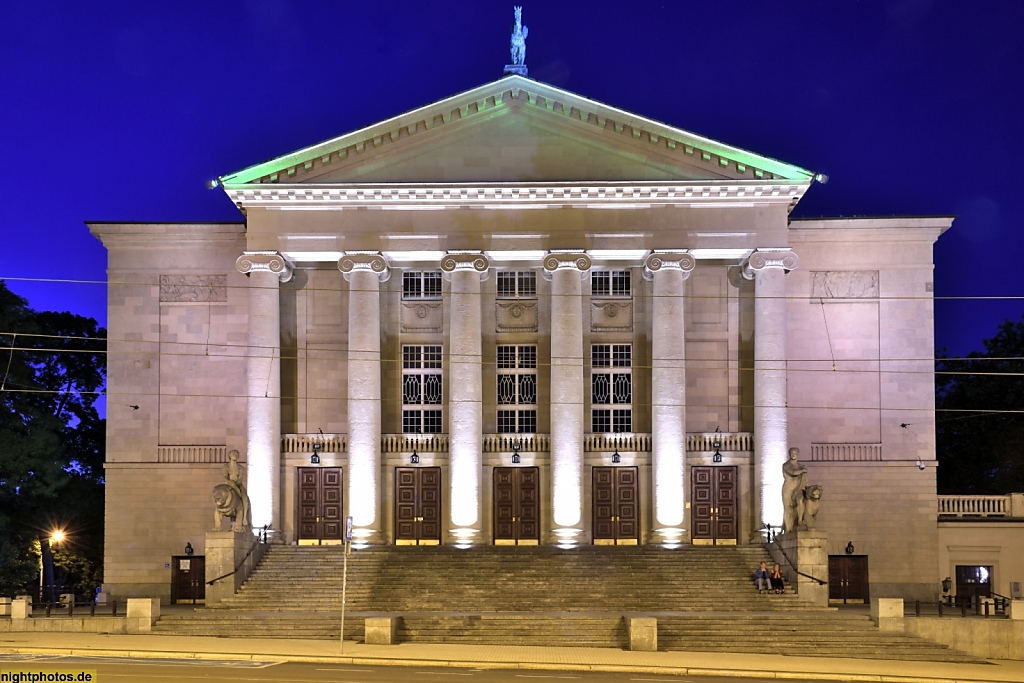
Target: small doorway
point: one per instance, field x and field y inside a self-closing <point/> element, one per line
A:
<point x="188" y="579"/>
<point x="616" y="510"/>
<point x="320" y="506"/>
<point x="516" y="506"/>
<point x="713" y="505"/>
<point x="417" y="506"/>
<point x="848" y="578"/>
<point x="972" y="582"/>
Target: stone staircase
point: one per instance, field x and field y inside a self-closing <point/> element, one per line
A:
<point x="703" y="597"/>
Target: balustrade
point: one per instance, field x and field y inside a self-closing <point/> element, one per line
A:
<point x="974" y="506"/>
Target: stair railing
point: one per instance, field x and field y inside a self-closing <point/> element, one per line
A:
<point x="259" y="541"/>
<point x="773" y="539"/>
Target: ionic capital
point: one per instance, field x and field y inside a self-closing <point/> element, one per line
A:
<point x="364" y="261"/>
<point x="566" y="260"/>
<point x="668" y="260"/>
<point x="762" y="259"/>
<point x="264" y="262"/>
<point x="454" y="261"/>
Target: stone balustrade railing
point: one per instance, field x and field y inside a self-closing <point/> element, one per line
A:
<point x="303" y="443"/>
<point x="974" y="506"/>
<point x="503" y="443"/>
<point x="194" y="453"/>
<point x="846" y="452"/>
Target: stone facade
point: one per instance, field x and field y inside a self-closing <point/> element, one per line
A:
<point x="520" y="277"/>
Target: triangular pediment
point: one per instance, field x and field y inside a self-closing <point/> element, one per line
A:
<point x="516" y="130"/>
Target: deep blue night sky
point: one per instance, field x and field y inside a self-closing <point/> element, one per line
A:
<point x="123" y="110"/>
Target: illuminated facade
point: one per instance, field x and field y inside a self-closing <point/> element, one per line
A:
<point x="521" y="316"/>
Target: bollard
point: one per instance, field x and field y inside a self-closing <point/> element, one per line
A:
<point x="92" y="609"/>
<point x="963" y="608"/>
<point x="940" y="608"/>
<point x="71" y="608"/>
<point x="113" y="608"/>
<point x="917" y="608"/>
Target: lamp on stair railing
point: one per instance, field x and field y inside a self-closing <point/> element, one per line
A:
<point x="716" y="443"/>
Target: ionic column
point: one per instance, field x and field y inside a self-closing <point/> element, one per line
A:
<point x="767" y="268"/>
<point x="566" y="271"/>
<point x="266" y="270"/>
<point x="465" y="270"/>
<point x="669" y="271"/>
<point x="364" y="271"/>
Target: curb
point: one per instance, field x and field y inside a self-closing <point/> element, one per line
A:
<point x="506" y="665"/>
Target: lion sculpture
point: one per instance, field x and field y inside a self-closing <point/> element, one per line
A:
<point x="230" y="499"/>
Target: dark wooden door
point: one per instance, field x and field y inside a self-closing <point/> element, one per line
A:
<point x="848" y="578"/>
<point x="973" y="582"/>
<point x="616" y="506"/>
<point x="417" y="505"/>
<point x="188" y="578"/>
<point x="516" y="506"/>
<point x="320" y="506"/>
<point x="713" y="505"/>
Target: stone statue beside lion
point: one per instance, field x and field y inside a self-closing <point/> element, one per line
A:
<point x="230" y="498"/>
<point x="800" y="501"/>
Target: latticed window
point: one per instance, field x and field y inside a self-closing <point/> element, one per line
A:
<point x="611" y="387"/>
<point x="517" y="389"/>
<point x="421" y="285"/>
<point x="517" y="284"/>
<point x="613" y="283"/>
<point x="421" y="390"/>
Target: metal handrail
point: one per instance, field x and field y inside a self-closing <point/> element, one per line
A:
<point x="261" y="539"/>
<point x="773" y="538"/>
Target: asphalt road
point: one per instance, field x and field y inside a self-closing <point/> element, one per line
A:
<point x="128" y="670"/>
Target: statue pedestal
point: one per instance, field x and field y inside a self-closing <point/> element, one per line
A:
<point x="808" y="551"/>
<point x="516" y="70"/>
<point x="226" y="550"/>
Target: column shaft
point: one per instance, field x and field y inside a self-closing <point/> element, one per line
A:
<point x="263" y="398"/>
<point x="465" y="394"/>
<point x="567" y="386"/>
<point x="770" y="419"/>
<point x="364" y="399"/>
<point x="668" y="395"/>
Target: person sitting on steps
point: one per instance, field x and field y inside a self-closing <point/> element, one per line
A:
<point x="778" y="585"/>
<point x="762" y="578"/>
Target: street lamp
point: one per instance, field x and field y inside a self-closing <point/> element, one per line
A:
<point x="56" y="538"/>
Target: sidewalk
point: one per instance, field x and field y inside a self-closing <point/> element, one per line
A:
<point x="508" y="657"/>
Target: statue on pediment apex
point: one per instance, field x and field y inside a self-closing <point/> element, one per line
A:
<point x="519" y="33"/>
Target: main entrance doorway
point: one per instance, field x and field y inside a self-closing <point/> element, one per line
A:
<point x="848" y="578"/>
<point x="320" y="506"/>
<point x="417" y="506"/>
<point x="713" y="505"/>
<point x="616" y="513"/>
<point x="516" y="506"/>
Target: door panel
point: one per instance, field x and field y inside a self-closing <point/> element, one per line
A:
<point x="713" y="507"/>
<point x="321" y="505"/>
<point x="615" y="504"/>
<point x="516" y="506"/>
<point x="417" y="505"/>
<point x="848" y="578"/>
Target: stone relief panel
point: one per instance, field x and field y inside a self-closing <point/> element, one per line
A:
<point x="844" y="284"/>
<point x="193" y="288"/>
<point x="611" y="316"/>
<point x="515" y="316"/>
<point x="422" y="316"/>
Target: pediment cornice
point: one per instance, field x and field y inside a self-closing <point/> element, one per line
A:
<point x="519" y="196"/>
<point x="507" y="92"/>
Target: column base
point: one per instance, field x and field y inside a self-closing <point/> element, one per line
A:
<point x="567" y="536"/>
<point x="463" y="536"/>
<point x="670" y="536"/>
<point x="363" y="538"/>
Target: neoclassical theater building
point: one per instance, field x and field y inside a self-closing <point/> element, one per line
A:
<point x="520" y="316"/>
